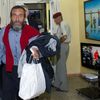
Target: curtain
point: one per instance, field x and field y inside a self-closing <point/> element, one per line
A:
<point x="6" y="6"/>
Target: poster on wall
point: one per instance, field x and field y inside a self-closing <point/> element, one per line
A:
<point x="92" y="19"/>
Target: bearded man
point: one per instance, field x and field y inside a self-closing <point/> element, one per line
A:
<point x="13" y="39"/>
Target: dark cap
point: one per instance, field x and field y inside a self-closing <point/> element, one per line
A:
<point x="57" y="14"/>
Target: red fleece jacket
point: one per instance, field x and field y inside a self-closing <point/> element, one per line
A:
<point x="27" y="33"/>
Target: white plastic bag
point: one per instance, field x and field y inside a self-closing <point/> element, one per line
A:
<point x="32" y="82"/>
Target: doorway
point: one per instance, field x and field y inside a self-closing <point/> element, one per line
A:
<point x="37" y="15"/>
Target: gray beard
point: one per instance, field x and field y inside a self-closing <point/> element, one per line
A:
<point x="16" y="27"/>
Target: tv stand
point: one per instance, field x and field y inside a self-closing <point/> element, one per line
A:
<point x="91" y="92"/>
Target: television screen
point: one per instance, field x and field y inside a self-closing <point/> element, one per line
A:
<point x="90" y="55"/>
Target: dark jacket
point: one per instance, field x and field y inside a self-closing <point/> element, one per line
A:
<point x="47" y="48"/>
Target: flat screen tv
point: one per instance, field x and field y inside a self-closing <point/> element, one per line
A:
<point x="90" y="55"/>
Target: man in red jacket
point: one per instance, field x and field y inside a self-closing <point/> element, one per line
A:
<point x="14" y="38"/>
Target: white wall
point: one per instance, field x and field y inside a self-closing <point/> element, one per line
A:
<point x="70" y="10"/>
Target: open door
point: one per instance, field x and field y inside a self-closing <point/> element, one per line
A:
<point x="37" y="15"/>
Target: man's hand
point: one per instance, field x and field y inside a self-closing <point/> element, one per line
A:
<point x="35" y="53"/>
<point x="63" y="38"/>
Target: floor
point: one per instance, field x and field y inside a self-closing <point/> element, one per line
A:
<point x="72" y="94"/>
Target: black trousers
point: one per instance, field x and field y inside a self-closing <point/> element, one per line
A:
<point x="10" y="83"/>
<point x="1" y="80"/>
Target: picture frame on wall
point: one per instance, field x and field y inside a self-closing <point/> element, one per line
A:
<point x="92" y="19"/>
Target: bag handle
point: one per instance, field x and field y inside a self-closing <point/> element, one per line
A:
<point x="31" y="59"/>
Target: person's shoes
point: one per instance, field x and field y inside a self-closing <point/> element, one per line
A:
<point x="59" y="90"/>
<point x="53" y="86"/>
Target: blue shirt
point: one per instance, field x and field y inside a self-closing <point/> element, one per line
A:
<point x="14" y="41"/>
